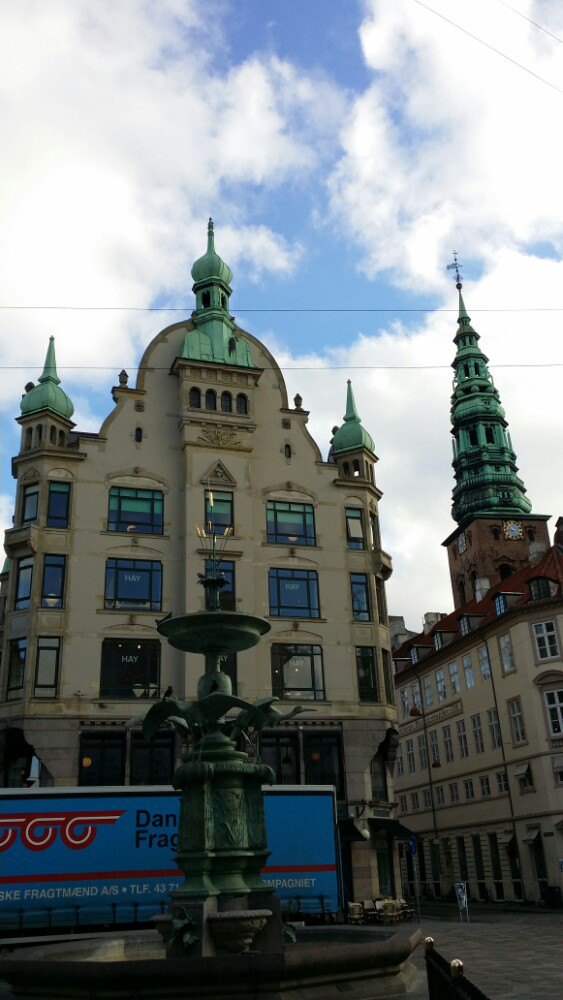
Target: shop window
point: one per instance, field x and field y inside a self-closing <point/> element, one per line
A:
<point x="47" y="667"/>
<point x="355" y="528"/>
<point x="293" y="593"/>
<point x="135" y="510"/>
<point x="227" y="595"/>
<point x="281" y="753"/>
<point x="366" y="668"/>
<point x="219" y="512"/>
<point x="322" y="758"/>
<point x="133" y="583"/>
<point x="361" y="605"/>
<point x="102" y="759"/>
<point x="58" y="505"/>
<point x="30" y="503"/>
<point x="53" y="585"/>
<point x="297" y="672"/>
<point x="290" y="523"/>
<point x="130" y="668"/>
<point x="24" y="576"/>
<point x="152" y="762"/>
<point x="16" y="669"/>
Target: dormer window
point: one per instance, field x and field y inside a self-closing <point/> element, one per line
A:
<point x="500" y="604"/>
<point x="438" y="640"/>
<point x="464" y="625"/>
<point x="414" y="655"/>
<point x="541" y="587"/>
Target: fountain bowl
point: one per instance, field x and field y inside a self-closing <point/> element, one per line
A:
<point x="213" y="632"/>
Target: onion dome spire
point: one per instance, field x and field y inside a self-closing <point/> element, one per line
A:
<point x="48" y="395"/>
<point x="351" y="435"/>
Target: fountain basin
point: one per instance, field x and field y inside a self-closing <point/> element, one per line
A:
<point x="214" y="632"/>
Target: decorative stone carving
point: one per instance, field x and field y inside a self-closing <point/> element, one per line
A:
<point x="218" y="475"/>
<point x="139" y="405"/>
<point x="286" y="423"/>
<point x="220" y="437"/>
<point x="31" y="473"/>
<point x="235" y="930"/>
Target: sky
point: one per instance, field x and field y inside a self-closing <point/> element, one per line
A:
<point x="344" y="151"/>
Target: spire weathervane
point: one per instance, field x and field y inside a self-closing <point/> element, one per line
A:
<point x="457" y="267"/>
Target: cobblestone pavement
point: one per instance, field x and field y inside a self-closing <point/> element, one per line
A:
<point x="514" y="957"/>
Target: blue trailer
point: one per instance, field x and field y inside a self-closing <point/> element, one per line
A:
<point x="77" y="857"/>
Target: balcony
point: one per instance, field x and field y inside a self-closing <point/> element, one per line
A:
<point x="21" y="541"/>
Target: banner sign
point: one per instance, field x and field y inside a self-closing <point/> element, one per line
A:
<point x="106" y="856"/>
<point x="461" y="896"/>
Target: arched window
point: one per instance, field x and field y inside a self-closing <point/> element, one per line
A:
<point x="346" y="468"/>
<point x="61" y="439"/>
<point x="210" y="400"/>
<point x="226" y="402"/>
<point x="476" y="368"/>
<point x="195" y="397"/>
<point x="466" y="371"/>
<point x="287" y="450"/>
<point x="356" y="467"/>
<point x="473" y="437"/>
<point x="205" y="300"/>
<point x="28" y="437"/>
<point x="505" y="570"/>
<point x="38" y="436"/>
<point x="489" y="435"/>
<point x="224" y="301"/>
<point x="138" y="434"/>
<point x="461" y="592"/>
<point x="242" y="403"/>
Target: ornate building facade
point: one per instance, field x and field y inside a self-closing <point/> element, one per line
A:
<point x="105" y="543"/>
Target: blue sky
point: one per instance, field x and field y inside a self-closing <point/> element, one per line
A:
<point x="344" y="150"/>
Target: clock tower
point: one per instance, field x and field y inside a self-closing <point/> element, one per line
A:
<point x="496" y="532"/>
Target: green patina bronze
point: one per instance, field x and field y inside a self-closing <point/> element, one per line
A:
<point x="48" y="395"/>
<point x="484" y="462"/>
<point x="351" y="435"/>
<point x="222" y="833"/>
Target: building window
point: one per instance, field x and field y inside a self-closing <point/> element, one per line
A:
<point x="405" y="703"/>
<point x="554" y="705"/>
<point x="290" y="523"/>
<point x="416" y="699"/>
<point x="438" y="640"/>
<point x="227" y="594"/>
<point x="102" y="759"/>
<point x="374" y="531"/>
<point x="287" y="450"/>
<point x="546" y="640"/>
<point x="24" y="574"/>
<point x="130" y="668"/>
<point x="464" y="624"/>
<point x="361" y="609"/>
<point x="294" y="593"/>
<point x="52" y="588"/>
<point x="400" y="761"/>
<point x="411" y="763"/>
<point x="135" y="510"/>
<point x="441" y="685"/>
<point x="422" y="755"/>
<point x="219" y="513"/>
<point x="500" y="604"/>
<point x="485" y="786"/>
<point x="242" y="404"/>
<point x="525" y="778"/>
<point x="506" y="654"/>
<point x="138" y="434"/>
<point x="297" y="672"/>
<point x="462" y="739"/>
<point x="502" y="782"/>
<point x="322" y="759"/>
<point x="414" y="654"/>
<point x="355" y="528"/>
<point x="381" y="600"/>
<point x="468" y="672"/>
<point x="478" y="734"/>
<point x="516" y="721"/>
<point x="496" y="865"/>
<point x="366" y="666"/>
<point x="434" y="748"/>
<point x="403" y="803"/>
<point x="484" y="665"/>
<point x="454" y="791"/>
<point x="195" y="398"/>
<point x="16" y="669"/>
<point x="440" y="797"/>
<point x="388" y="677"/>
<point x="494" y="729"/>
<point x="58" y="505"/>
<point x="133" y="583"/>
<point x="428" y="691"/>
<point x="414" y="801"/>
<point x="30" y="503"/>
<point x="226" y="402"/>
<point x="378" y="776"/>
<point x="468" y="789"/>
<point x="427" y="798"/>
<point x="541" y="587"/>
<point x="448" y="744"/>
<point x="281" y="753"/>
<point x="210" y="400"/>
<point x="454" y="678"/>
<point x="47" y="667"/>
<point x="152" y="762"/>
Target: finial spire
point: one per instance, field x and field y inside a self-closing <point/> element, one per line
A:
<point x="50" y="366"/>
<point x="351" y="411"/>
<point x="210" y="237"/>
<point x="457" y="267"/>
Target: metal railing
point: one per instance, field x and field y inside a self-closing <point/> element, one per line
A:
<point x="446" y="980"/>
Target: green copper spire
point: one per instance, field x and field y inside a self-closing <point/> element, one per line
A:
<point x="47" y="395"/>
<point x="214" y="337"/>
<point x="484" y="463"/>
<point x="351" y="435"/>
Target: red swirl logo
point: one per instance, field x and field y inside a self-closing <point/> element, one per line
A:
<point x="38" y="831"/>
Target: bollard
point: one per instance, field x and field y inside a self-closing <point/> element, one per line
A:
<point x="429" y="942"/>
<point x="456" y="967"/>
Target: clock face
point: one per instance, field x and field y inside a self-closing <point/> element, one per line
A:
<point x="512" y="530"/>
<point x="462" y="543"/>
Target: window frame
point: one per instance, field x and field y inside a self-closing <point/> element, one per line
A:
<point x="43" y="642"/>
<point x="506" y="653"/>
<point x="469" y="789"/>
<point x="516" y="718"/>
<point x="549" y="638"/>
<point x="30" y="490"/>
<point x="453" y="789"/>
<point x="306" y="533"/>
<point x="24" y="583"/>
<point x="477" y="731"/>
<point x="468" y="671"/>
<point x="355" y="515"/>
<point x="53" y="599"/>
<point x="368" y="691"/>
<point x="494" y="728"/>
<point x="448" y="743"/>
<point x="462" y="739"/>
<point x="441" y="686"/>
<point x="112" y="691"/>
<point x="119" y="523"/>
<point x="360" y="589"/>
<point x="484" y="662"/>
<point x="226" y="497"/>
<point x="279" y="575"/>
<point x="154" y="570"/>
<point x="286" y="692"/>
<point x="53" y="520"/>
<point x="16" y="666"/>
<point x="226" y="568"/>
<point x="554" y="712"/>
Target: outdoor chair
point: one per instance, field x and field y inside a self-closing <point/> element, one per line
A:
<point x="407" y="912"/>
<point x="370" y="912"/>
<point x="355" y="913"/>
<point x="391" y="912"/>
